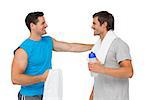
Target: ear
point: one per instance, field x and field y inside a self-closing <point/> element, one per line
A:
<point x="105" y="24"/>
<point x="32" y="25"/>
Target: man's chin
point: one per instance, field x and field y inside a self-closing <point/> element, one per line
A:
<point x="44" y="33"/>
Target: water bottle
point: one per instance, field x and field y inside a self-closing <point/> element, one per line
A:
<point x="92" y="58"/>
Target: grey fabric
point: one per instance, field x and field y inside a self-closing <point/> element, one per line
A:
<point x="22" y="97"/>
<point x="108" y="87"/>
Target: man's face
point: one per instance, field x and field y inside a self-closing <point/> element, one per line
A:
<point x="96" y="26"/>
<point x="40" y="26"/>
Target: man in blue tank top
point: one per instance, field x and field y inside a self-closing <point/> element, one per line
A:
<point x="32" y="58"/>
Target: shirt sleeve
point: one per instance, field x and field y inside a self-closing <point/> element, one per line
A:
<point x="50" y="41"/>
<point x="26" y="46"/>
<point x="122" y="52"/>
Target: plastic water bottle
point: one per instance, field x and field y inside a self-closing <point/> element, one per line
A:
<point x="92" y="58"/>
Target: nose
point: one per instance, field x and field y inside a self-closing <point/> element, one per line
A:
<point x="46" y="25"/>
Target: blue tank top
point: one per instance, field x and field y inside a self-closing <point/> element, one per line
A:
<point x="39" y="60"/>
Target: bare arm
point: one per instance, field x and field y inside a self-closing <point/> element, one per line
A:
<point x="71" y="47"/>
<point x="125" y="70"/>
<point x="18" y="67"/>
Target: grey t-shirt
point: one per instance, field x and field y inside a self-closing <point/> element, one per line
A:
<point x="108" y="87"/>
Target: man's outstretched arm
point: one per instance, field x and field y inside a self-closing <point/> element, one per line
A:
<point x="71" y="47"/>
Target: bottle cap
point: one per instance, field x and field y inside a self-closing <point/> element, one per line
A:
<point x="92" y="55"/>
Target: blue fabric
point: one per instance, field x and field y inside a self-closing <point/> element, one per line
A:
<point x="39" y="60"/>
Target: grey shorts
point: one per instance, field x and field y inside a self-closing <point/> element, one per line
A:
<point x="22" y="97"/>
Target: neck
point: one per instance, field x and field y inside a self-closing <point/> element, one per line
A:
<point x="35" y="37"/>
<point x="103" y="34"/>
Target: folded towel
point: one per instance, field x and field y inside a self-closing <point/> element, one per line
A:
<point x="53" y="86"/>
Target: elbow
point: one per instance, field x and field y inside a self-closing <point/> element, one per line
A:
<point x="130" y="74"/>
<point x="14" y="83"/>
<point x="14" y="80"/>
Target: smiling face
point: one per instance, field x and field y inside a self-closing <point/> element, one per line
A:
<point x="39" y="27"/>
<point x="97" y="27"/>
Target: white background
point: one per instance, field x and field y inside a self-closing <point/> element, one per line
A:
<point x="70" y="21"/>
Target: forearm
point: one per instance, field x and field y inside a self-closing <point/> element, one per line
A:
<point x="117" y="72"/>
<point x="22" y="79"/>
<point x="75" y="47"/>
<point x="70" y="47"/>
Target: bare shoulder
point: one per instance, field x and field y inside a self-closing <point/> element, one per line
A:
<point x="20" y="52"/>
<point x="20" y="57"/>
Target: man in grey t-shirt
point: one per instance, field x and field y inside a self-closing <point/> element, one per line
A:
<point x="112" y="80"/>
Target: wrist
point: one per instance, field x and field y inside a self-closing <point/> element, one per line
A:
<point x="102" y="70"/>
<point x="41" y="78"/>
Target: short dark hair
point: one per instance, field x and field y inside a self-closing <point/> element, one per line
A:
<point x="32" y="18"/>
<point x="104" y="16"/>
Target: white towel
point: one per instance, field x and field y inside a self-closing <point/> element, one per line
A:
<point x="101" y="47"/>
<point x="53" y="88"/>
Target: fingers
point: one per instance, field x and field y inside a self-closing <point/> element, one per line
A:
<point x="90" y="66"/>
<point x="47" y="71"/>
<point x="45" y="75"/>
